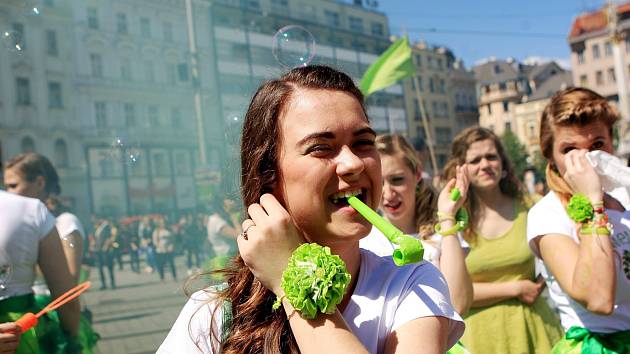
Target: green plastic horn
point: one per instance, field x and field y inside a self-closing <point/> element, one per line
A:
<point x="409" y="249"/>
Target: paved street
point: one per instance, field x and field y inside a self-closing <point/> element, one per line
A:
<point x="136" y="316"/>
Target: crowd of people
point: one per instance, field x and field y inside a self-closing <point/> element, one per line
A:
<point x="506" y="269"/>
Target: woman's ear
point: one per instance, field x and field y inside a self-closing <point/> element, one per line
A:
<point x="40" y="182"/>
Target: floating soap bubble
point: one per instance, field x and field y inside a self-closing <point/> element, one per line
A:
<point x="120" y="149"/>
<point x="12" y="41"/>
<point x="293" y="46"/>
<point x="33" y="7"/>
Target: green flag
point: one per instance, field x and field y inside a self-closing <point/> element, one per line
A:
<point x="390" y="67"/>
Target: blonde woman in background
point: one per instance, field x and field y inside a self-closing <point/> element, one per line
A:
<point x="411" y="204"/>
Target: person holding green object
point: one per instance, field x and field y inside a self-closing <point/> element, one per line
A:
<point x="581" y="233"/>
<point x="33" y="175"/>
<point x="507" y="314"/>
<point x="410" y="204"/>
<point x="306" y="147"/>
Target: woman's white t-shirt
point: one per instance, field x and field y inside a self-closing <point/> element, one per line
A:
<point x="548" y="216"/>
<point x="377" y="243"/>
<point x="68" y="223"/>
<point x="24" y="222"/>
<point x="385" y="298"/>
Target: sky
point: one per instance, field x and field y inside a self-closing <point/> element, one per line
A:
<point x="478" y="29"/>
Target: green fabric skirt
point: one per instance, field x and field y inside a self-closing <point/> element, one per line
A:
<point x="580" y="340"/>
<point x="46" y="337"/>
<point x="87" y="336"/>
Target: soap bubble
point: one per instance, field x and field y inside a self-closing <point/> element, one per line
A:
<point x="33" y="7"/>
<point x="121" y="149"/>
<point x="12" y="41"/>
<point x="293" y="46"/>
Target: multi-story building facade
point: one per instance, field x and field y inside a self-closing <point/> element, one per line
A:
<point x="105" y="88"/>
<point x="527" y="113"/>
<point x="447" y="90"/>
<point x="510" y="95"/>
<point x="592" y="45"/>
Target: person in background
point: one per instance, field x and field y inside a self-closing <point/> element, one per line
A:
<point x="507" y="313"/>
<point x="580" y="232"/>
<point x="222" y="227"/>
<point x="410" y="203"/>
<point x="193" y="244"/>
<point x="164" y="241"/>
<point x="145" y="232"/>
<point x="105" y="234"/>
<point x="28" y="238"/>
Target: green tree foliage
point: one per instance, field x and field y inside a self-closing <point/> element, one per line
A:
<point x="516" y="152"/>
<point x="540" y="163"/>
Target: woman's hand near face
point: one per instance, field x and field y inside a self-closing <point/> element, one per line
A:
<point x="581" y="176"/>
<point x="445" y="204"/>
<point x="271" y="238"/>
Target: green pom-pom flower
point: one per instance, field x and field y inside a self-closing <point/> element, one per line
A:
<point x="315" y="280"/>
<point x="580" y="208"/>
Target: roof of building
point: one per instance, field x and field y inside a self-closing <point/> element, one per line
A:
<point x="594" y="21"/>
<point x="552" y="85"/>
<point x="497" y="71"/>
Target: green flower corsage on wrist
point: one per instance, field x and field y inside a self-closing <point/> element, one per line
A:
<point x="315" y="280"/>
<point x="580" y="209"/>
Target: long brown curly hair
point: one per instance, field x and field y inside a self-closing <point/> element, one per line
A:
<point x="573" y="106"/>
<point x="426" y="197"/>
<point x="255" y="327"/>
<point x="509" y="185"/>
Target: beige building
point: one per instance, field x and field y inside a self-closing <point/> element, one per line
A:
<point x="527" y="113"/>
<point x="448" y="94"/>
<point x="592" y="55"/>
<point x="505" y="85"/>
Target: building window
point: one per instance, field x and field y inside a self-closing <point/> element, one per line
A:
<point x="532" y="131"/>
<point x="121" y="23"/>
<point x="508" y="126"/>
<point x="130" y="115"/>
<point x="154" y="119"/>
<point x="611" y="75"/>
<point x="439" y="64"/>
<point x="332" y="18"/>
<point x="378" y="29"/>
<point x="54" y="95"/>
<point x="497" y="69"/>
<point x="489" y="109"/>
<point x="176" y="118"/>
<point x="599" y="78"/>
<point x="583" y="81"/>
<point x="149" y="73"/>
<point x="18" y="27"/>
<point x="100" y="115"/>
<point x="608" y="49"/>
<point x="442" y="86"/>
<point x="443" y="136"/>
<point x="23" y="90"/>
<point x="506" y="106"/>
<point x="420" y="84"/>
<point x="51" y="43"/>
<point x="595" y="49"/>
<point x="418" y="60"/>
<point x="182" y="71"/>
<point x="145" y="27"/>
<point x="430" y="62"/>
<point x="96" y="63"/>
<point x="431" y="85"/>
<point x="168" y="31"/>
<point x="125" y="69"/>
<point x="171" y="72"/>
<point x="61" y="153"/>
<point x="28" y="145"/>
<point x="434" y="109"/>
<point x="580" y="56"/>
<point x="444" y="108"/>
<point x="92" y="18"/>
<point x="356" y="24"/>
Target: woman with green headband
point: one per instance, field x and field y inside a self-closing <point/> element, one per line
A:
<point x="507" y="314"/>
<point x="306" y="147"/>
<point x="581" y="233"/>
